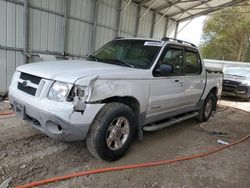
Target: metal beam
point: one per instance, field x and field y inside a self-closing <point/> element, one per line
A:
<point x="11" y="48"/>
<point x="212" y="10"/>
<point x="165" y="13"/>
<point x="126" y="6"/>
<point x="94" y="17"/>
<point x="143" y="2"/>
<point x="176" y="30"/>
<point x="183" y="10"/>
<point x="26" y="30"/>
<point x="167" y="5"/>
<point x="185" y="26"/>
<point x="190" y="8"/>
<point x="65" y="26"/>
<point x="153" y="25"/>
<point x="138" y="20"/>
<point x="118" y="21"/>
<point x="203" y="8"/>
<point x="166" y="28"/>
<point x="148" y="10"/>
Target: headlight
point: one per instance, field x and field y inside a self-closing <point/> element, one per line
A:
<point x="83" y="92"/>
<point x="59" y="91"/>
<point x="81" y="96"/>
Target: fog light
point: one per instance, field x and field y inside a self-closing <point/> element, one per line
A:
<point x="53" y="127"/>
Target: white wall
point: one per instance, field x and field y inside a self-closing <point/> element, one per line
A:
<point x="11" y="35"/>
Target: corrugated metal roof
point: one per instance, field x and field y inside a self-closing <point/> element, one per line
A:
<point x="181" y="10"/>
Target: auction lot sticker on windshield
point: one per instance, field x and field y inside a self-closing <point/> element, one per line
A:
<point x="151" y="43"/>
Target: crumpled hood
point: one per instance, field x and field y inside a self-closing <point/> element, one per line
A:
<point x="68" y="70"/>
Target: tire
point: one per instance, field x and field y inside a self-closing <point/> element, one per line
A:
<point x="208" y="107"/>
<point x="114" y="122"/>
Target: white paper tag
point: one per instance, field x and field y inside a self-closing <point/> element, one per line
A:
<point x="152" y="43"/>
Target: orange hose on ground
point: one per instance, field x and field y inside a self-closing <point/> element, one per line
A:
<point x="157" y="163"/>
<point x="6" y="113"/>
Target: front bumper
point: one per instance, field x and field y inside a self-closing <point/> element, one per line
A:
<point x="239" y="91"/>
<point x="60" y="124"/>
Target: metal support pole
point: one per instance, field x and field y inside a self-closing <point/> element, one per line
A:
<point x="65" y="26"/>
<point x="148" y="9"/>
<point x="153" y="25"/>
<point x="165" y="13"/>
<point x="26" y="30"/>
<point x="176" y="30"/>
<point x="138" y="20"/>
<point x="166" y="27"/>
<point x="94" y="17"/>
<point x="126" y="6"/>
<point x="185" y="26"/>
<point x="119" y="14"/>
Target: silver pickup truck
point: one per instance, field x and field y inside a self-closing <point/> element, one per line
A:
<point x="128" y="86"/>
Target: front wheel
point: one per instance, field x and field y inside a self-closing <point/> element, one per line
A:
<point x="208" y="107"/>
<point x="111" y="132"/>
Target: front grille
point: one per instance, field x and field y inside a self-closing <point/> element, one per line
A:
<point x="27" y="88"/>
<point x="33" y="79"/>
<point x="233" y="87"/>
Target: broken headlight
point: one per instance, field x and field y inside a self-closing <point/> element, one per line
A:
<point x="81" y="94"/>
<point x="59" y="91"/>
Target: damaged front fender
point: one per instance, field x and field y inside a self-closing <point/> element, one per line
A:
<point x="107" y="88"/>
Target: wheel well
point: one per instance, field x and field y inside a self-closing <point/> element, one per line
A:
<point x="214" y="91"/>
<point x="129" y="101"/>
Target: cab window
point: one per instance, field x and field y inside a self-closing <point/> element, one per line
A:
<point x="192" y="63"/>
<point x="173" y="57"/>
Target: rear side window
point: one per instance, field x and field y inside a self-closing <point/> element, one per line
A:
<point x="192" y="63"/>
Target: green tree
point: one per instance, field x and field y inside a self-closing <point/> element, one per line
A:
<point x="226" y="35"/>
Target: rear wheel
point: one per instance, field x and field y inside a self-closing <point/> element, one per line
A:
<point x="111" y="132"/>
<point x="208" y="107"/>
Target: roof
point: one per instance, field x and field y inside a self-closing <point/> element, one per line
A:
<point x="182" y="10"/>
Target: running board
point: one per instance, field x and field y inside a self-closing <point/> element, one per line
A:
<point x="154" y="127"/>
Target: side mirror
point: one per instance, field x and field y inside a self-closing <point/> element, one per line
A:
<point x="164" y="69"/>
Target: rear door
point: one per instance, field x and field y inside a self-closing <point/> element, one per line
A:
<point x="194" y="77"/>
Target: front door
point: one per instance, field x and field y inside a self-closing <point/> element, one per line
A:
<point x="167" y="92"/>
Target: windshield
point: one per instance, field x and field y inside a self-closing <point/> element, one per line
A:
<point x="239" y="71"/>
<point x="131" y="53"/>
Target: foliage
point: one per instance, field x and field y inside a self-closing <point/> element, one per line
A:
<point x="227" y="35"/>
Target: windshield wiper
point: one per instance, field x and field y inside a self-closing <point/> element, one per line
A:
<point x="94" y="57"/>
<point x="121" y="62"/>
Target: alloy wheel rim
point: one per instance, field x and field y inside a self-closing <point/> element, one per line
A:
<point x="117" y="133"/>
<point x="208" y="108"/>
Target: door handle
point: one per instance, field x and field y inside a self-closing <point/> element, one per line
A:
<point x="179" y="82"/>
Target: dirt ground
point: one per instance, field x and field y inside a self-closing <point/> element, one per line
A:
<point x="27" y="155"/>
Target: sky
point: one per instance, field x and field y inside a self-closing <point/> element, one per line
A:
<point x="193" y="31"/>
